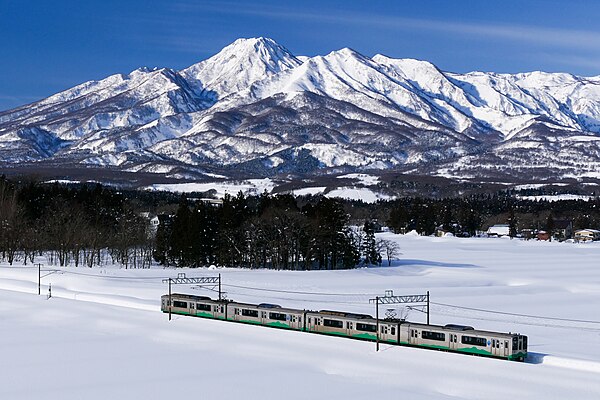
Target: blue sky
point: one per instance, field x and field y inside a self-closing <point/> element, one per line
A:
<point x="49" y="46"/>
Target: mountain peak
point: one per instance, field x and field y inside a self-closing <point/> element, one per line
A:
<point x="240" y="64"/>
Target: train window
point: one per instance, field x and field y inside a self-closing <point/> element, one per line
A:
<point x="204" y="307"/>
<point x="474" y="341"/>
<point x="393" y="330"/>
<point x="524" y="342"/>
<point x="192" y="305"/>
<point x="309" y="320"/>
<point x="506" y="344"/>
<point x="277" y="316"/>
<point x="180" y="304"/>
<point x="433" y="336"/>
<point x="249" y="313"/>
<point x="515" y="343"/>
<point x="366" y="327"/>
<point x="333" y="323"/>
<point x="497" y="344"/>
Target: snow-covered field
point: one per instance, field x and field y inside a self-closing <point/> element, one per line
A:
<point x="102" y="335"/>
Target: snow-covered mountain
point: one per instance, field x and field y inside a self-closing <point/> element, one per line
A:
<point x="256" y="109"/>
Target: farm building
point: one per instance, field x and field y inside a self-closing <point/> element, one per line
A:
<point x="498" y="230"/>
<point x="587" y="235"/>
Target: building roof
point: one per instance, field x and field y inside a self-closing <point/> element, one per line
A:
<point x="499" y="229"/>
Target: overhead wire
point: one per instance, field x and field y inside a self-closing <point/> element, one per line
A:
<point x="516" y="314"/>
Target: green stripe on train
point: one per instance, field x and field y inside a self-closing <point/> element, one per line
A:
<point x="517" y="356"/>
<point x="364" y="336"/>
<point x="474" y="350"/>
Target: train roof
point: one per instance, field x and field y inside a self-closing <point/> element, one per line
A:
<point x="342" y="314"/>
<point x="189" y="296"/>
<point x="268" y="305"/>
<point x="453" y="327"/>
<point x="274" y="307"/>
<point x="195" y="297"/>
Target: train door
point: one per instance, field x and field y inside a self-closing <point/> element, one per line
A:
<point x="496" y="347"/>
<point x="293" y="321"/>
<point x="311" y="324"/>
<point x="413" y="336"/>
<point x="453" y="341"/>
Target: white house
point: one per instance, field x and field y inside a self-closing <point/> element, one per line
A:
<point x="498" y="230"/>
<point x="587" y="235"/>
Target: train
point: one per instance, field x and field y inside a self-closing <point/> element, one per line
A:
<point x="450" y="337"/>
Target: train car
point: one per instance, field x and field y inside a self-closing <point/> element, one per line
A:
<point x="266" y="314"/>
<point x="465" y="339"/>
<point x="196" y="306"/>
<point x="356" y="326"/>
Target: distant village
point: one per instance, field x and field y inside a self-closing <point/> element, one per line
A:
<point x="562" y="231"/>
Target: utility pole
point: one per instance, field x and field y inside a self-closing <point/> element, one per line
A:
<point x="182" y="279"/>
<point x="389" y="298"/>
<point x="377" y="319"/>
<point x="39" y="278"/>
<point x="428" y="307"/>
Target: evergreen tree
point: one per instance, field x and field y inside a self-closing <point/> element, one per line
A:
<point x="180" y="246"/>
<point x="369" y="249"/>
<point x="550" y="226"/>
<point x="512" y="223"/>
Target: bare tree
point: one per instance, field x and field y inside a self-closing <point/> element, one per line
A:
<point x="390" y="248"/>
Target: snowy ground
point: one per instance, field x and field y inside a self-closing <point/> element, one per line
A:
<point x="102" y="335"/>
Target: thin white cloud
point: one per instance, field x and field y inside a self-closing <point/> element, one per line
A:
<point x="546" y="36"/>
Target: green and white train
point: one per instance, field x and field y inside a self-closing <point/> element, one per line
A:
<point x="454" y="338"/>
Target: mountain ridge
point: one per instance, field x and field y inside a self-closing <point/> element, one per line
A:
<point x="256" y="103"/>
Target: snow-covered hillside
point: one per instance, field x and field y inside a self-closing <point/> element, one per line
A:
<point x="257" y="109"/>
<point x="102" y="334"/>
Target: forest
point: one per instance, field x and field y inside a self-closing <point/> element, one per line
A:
<point x="92" y="225"/>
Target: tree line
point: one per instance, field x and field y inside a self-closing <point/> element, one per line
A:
<point x="91" y="224"/>
<point x="87" y="225"/>
<point x="265" y="232"/>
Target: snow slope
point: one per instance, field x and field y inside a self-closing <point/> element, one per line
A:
<point x="102" y="335"/>
<point x="256" y="106"/>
